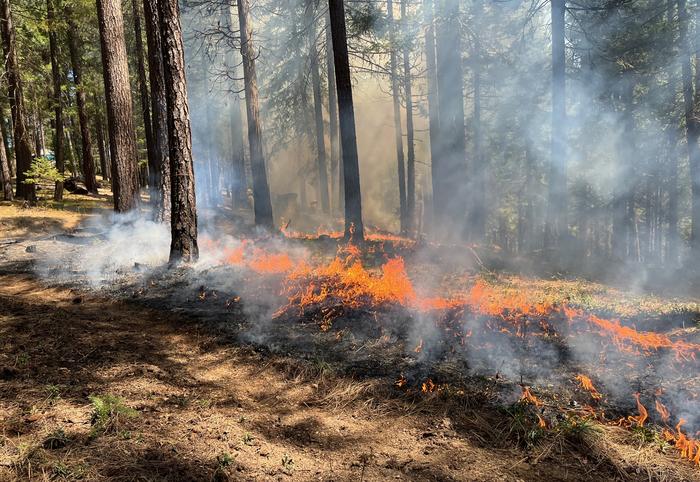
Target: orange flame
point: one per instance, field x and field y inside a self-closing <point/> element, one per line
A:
<point x="528" y="397"/>
<point x="662" y="411"/>
<point x="587" y="384"/>
<point x="643" y="414"/>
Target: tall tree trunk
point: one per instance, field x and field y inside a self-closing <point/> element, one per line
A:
<point x="122" y="136"/>
<point x="239" y="182"/>
<point x="332" y="117"/>
<point x="410" y="135"/>
<point x="556" y="223"/>
<point x="159" y="133"/>
<point x="100" y="129"/>
<point x="22" y="141"/>
<point x="261" y="189"/>
<point x="398" y="134"/>
<point x="56" y="100"/>
<point x="450" y="196"/>
<point x="6" y="130"/>
<point x="5" y="176"/>
<point x="673" y="236"/>
<point x="336" y="159"/>
<point x="183" y="215"/>
<point x="433" y="108"/>
<point x="623" y="198"/>
<point x="692" y="124"/>
<point x="354" y="228"/>
<point x="76" y="64"/>
<point x="318" y="109"/>
<point x="153" y="188"/>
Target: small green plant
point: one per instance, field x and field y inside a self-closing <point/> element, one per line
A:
<point x="22" y="360"/>
<point x="287" y="463"/>
<point x="248" y="438"/>
<point x="53" y="393"/>
<point x="225" y="459"/>
<point x="61" y="471"/>
<point x="56" y="440"/>
<point x="645" y="435"/>
<point x="577" y="428"/>
<point x="108" y="414"/>
<point x="524" y="425"/>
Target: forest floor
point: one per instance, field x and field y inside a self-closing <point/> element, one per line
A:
<point x="94" y="387"/>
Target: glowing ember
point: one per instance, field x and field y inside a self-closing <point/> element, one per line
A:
<point x="428" y="386"/>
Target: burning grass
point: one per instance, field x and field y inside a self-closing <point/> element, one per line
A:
<point x="485" y="319"/>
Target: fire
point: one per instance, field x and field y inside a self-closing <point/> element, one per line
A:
<point x="344" y="283"/>
<point x="662" y="411"/>
<point x="587" y="384"/>
<point x="528" y="397"/>
<point x="271" y="263"/>
<point x="401" y="381"/>
<point x="689" y="448"/>
<point x="643" y="414"/>
<point x="428" y="386"/>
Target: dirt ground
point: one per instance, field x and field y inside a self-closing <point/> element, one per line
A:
<point x="193" y="406"/>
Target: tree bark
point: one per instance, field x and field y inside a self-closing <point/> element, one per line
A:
<point x="122" y="136"/>
<point x="398" y="134"/>
<point x="145" y="99"/>
<point x="336" y="169"/>
<point x="88" y="163"/>
<point x="692" y="124"/>
<point x="54" y="52"/>
<point x="239" y="182"/>
<point x="354" y="228"/>
<point x="318" y="109"/>
<point x="556" y="224"/>
<point x="99" y="127"/>
<point x="261" y="190"/>
<point x="5" y="176"/>
<point x="410" y="135"/>
<point x="183" y="214"/>
<point x="159" y="133"/>
<point x="432" y="94"/>
<point x="22" y="141"/>
<point x="450" y="196"/>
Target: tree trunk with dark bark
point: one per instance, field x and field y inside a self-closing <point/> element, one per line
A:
<point x="159" y="110"/>
<point x="410" y="134"/>
<point x="88" y="163"/>
<point x="56" y="78"/>
<point x="398" y="134"/>
<point x="354" y="228"/>
<point x="183" y="214"/>
<point x="318" y="109"/>
<point x="22" y="140"/>
<point x="556" y="224"/>
<point x="692" y="123"/>
<point x="261" y="189"/>
<point x="432" y="87"/>
<point x="5" y="176"/>
<point x="336" y="160"/>
<point x="100" y="129"/>
<point x="122" y="136"/>
<point x="145" y="99"/>
<point x="450" y="195"/>
<point x="239" y="182"/>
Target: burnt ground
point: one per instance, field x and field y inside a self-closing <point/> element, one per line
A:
<point x="215" y="402"/>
